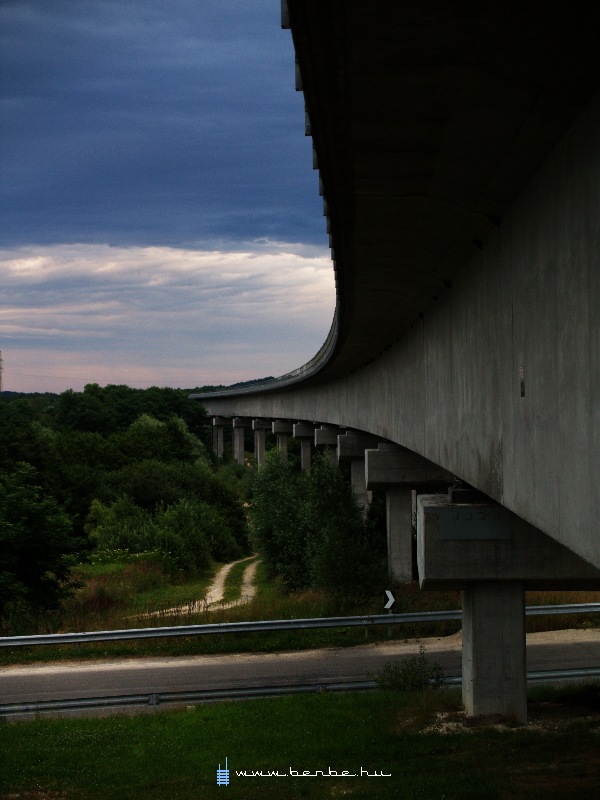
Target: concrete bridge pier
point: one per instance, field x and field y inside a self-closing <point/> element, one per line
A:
<point x="239" y="450"/>
<point x="352" y="447"/>
<point x="327" y="436"/>
<point x="305" y="431"/>
<point x="218" y="438"/>
<point x="494" y="672"/>
<point x="493" y="556"/>
<point x="260" y="428"/>
<point x="283" y="430"/>
<point x="399" y="472"/>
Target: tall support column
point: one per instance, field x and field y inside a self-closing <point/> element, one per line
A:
<point x="283" y="430"/>
<point x="494" y="678"/>
<point x="218" y="438"/>
<point x="493" y="556"/>
<point x="352" y="447"/>
<point x="305" y="431"/>
<point x="260" y="428"/>
<point x="238" y="445"/>
<point x="239" y="450"/>
<point x="359" y="486"/>
<point x="399" y="471"/>
<point x="327" y="436"/>
<point x="398" y="507"/>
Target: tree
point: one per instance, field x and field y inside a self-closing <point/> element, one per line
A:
<point x="345" y="552"/>
<point x="278" y="526"/>
<point x="149" y="438"/>
<point x="311" y="531"/>
<point x="36" y="544"/>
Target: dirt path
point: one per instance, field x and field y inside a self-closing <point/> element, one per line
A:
<point x="248" y="589"/>
<point x="217" y="588"/>
<point x="215" y="591"/>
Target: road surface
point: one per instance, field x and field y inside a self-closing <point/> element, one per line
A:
<point x="100" y="678"/>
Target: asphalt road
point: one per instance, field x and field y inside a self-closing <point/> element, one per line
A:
<point x="81" y="679"/>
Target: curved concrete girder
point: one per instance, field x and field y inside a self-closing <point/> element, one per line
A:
<point x="497" y="380"/>
<point x="451" y="389"/>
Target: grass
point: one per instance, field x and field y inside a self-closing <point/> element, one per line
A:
<point x="115" y="595"/>
<point x="140" y="586"/>
<point x="234" y="580"/>
<point x="176" y="754"/>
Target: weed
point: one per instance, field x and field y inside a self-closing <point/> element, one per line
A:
<point x="412" y="674"/>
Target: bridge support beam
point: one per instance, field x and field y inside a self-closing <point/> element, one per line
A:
<point x="239" y="449"/>
<point x="352" y="447"/>
<point x="305" y="431"/>
<point x="327" y="436"/>
<point x="260" y="428"/>
<point x="283" y="430"/>
<point x="493" y="650"/>
<point x="219" y="424"/>
<point x="398" y="472"/>
<point x="493" y="556"/>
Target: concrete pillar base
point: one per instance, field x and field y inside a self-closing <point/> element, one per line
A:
<point x="305" y="431"/>
<point x="398" y="503"/>
<point x="259" y="446"/>
<point x="238" y="445"/>
<point x="282" y="445"/>
<point x="218" y="440"/>
<point x="359" y="486"/>
<point x="493" y="653"/>
<point x="331" y="452"/>
<point x="306" y="449"/>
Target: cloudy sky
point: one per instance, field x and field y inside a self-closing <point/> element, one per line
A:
<point x="160" y="222"/>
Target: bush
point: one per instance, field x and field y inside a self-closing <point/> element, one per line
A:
<point x="278" y="526"/>
<point x="311" y="531"/>
<point x="346" y="554"/>
<point x="37" y="545"/>
<point x="188" y="532"/>
<point x="412" y="674"/>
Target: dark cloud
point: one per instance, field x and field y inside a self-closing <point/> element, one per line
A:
<point x="144" y="122"/>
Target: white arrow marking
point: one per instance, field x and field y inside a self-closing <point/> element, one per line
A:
<point x="391" y="599"/>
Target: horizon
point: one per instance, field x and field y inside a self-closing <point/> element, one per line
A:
<point x="161" y="219"/>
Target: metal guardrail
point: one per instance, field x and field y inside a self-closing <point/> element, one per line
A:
<point x="271" y="625"/>
<point x="154" y="699"/>
<point x="316" y="363"/>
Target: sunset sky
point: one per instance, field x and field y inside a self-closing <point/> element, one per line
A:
<point x="160" y="222"/>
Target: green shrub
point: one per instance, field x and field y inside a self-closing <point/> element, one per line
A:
<point x="345" y="552"/>
<point x="278" y="526"/>
<point x="412" y="674"/>
<point x="311" y="531"/>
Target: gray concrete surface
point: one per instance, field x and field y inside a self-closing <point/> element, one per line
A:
<point x="466" y="254"/>
<point x="459" y="157"/>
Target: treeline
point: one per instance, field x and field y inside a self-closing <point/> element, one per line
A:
<point x="108" y="469"/>
<point x="311" y="531"/>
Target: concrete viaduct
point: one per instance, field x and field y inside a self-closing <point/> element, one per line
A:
<point x="458" y="149"/>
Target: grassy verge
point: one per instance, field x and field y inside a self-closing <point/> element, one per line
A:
<point x="176" y="754"/>
<point x="269" y="603"/>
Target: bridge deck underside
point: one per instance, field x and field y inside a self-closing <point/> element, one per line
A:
<point x="458" y="147"/>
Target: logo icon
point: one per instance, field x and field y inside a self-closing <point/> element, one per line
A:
<point x="223" y="775"/>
